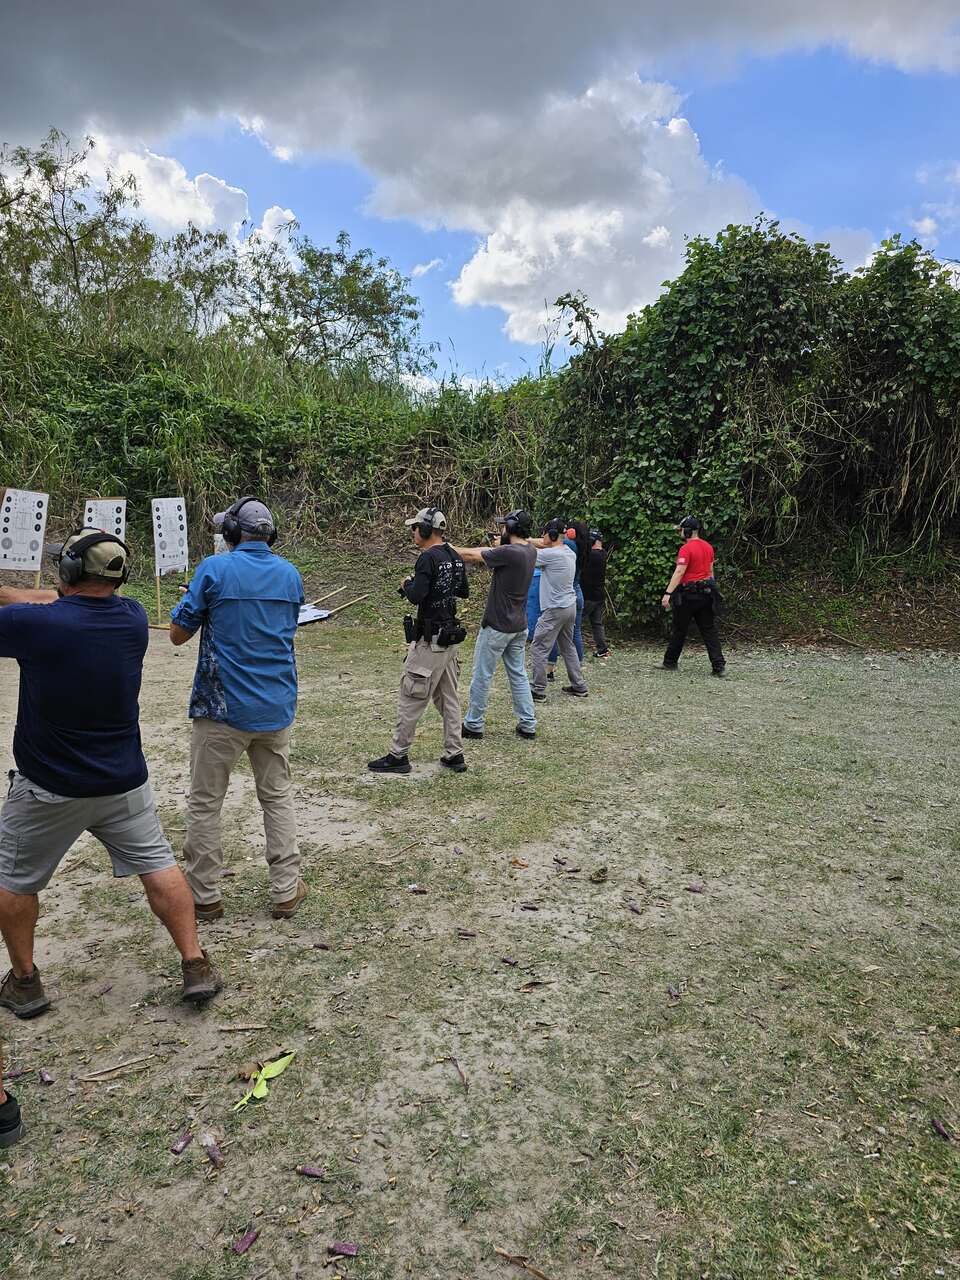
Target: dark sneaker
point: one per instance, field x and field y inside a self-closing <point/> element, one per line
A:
<point x="25" y="996"/>
<point x="529" y="734"/>
<point x="206" y="911"/>
<point x="574" y="693"/>
<point x="456" y="763"/>
<point x="720" y="672"/>
<point x="390" y="764"/>
<point x="603" y="653"/>
<point x="284" y="910"/>
<point x="11" y="1125"/>
<point x="551" y="675"/>
<point x="466" y="732"/>
<point x="538" y="697"/>
<point x="200" y="980"/>
<point x="667" y="666"/>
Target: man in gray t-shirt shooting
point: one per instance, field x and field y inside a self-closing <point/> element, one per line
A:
<point x="558" y="612"/>
<point x="503" y="630"/>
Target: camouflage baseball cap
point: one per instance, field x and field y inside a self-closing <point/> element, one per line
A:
<point x="108" y="559"/>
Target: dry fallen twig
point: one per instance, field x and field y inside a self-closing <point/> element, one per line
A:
<point x="520" y="1261"/>
<point x="460" y="1073"/>
<point x="107" y="1073"/>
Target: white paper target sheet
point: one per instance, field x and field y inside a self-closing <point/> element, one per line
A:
<point x="108" y="514"/>
<point x="169" y="535"/>
<point x="23" y="520"/>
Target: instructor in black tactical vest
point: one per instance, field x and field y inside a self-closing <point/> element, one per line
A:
<point x="432" y="668"/>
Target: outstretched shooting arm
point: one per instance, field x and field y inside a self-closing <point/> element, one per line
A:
<point x="471" y="555"/>
<point x="191" y="610"/>
<point x="27" y="595"/>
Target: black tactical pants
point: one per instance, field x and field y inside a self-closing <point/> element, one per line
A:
<point x="593" y="612"/>
<point x="694" y="606"/>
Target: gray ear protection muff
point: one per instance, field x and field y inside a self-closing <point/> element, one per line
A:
<point x="70" y="563"/>
<point x="232" y="529"/>
<point x="425" y="527"/>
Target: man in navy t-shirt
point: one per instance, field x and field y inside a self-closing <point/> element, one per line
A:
<point x="80" y="765"/>
<point x="245" y="605"/>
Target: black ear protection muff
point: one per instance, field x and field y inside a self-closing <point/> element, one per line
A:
<point x="516" y="524"/>
<point x="553" y="528"/>
<point x="690" y="524"/>
<point x="70" y="563"/>
<point x="232" y="529"/>
<point x="425" y="527"/>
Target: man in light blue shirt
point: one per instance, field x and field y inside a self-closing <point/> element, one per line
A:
<point x="245" y="605"/>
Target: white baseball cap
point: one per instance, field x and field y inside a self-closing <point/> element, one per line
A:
<point x="432" y="516"/>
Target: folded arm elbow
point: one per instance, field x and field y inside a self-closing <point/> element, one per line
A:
<point x="179" y="635"/>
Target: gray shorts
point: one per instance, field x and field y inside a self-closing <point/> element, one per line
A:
<point x="37" y="828"/>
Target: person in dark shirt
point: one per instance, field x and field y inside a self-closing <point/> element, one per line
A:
<point x="80" y="765"/>
<point x="432" y="667"/>
<point x="593" y="580"/>
<point x="503" y="629"/>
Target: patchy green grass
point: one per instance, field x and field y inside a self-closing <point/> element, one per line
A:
<point x="738" y="1082"/>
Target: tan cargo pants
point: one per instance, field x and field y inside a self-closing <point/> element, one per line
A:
<point x="429" y="673"/>
<point x="215" y="749"/>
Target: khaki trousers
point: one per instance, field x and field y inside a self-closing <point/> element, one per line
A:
<point x="429" y="673"/>
<point x="215" y="749"/>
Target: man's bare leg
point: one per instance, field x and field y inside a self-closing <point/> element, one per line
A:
<point x="172" y="903"/>
<point x="18" y="923"/>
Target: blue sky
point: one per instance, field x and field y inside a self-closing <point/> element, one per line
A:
<point x="329" y="197"/>
<point x="824" y="140"/>
<point x="530" y="150"/>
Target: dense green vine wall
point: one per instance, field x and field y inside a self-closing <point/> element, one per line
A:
<point x="772" y="394"/>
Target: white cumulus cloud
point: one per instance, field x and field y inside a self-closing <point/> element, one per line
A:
<point x="523" y="124"/>
<point x="169" y="197"/>
<point x="424" y="268"/>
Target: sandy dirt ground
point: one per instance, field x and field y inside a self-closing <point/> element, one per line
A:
<point x="680" y="971"/>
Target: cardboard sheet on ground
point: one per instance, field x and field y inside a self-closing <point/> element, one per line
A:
<point x="23" y="519"/>
<point x="108" y="514"/>
<point x="170" y="549"/>
<point x="268" y="1071"/>
<point x="310" y="613"/>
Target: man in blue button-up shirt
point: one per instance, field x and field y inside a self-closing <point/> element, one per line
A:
<point x="245" y="605"/>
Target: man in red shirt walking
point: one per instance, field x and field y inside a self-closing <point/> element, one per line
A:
<point x="692" y="594"/>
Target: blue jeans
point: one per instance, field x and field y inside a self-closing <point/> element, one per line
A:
<point x="577" y="630"/>
<point x="533" y="604"/>
<point x="491" y="646"/>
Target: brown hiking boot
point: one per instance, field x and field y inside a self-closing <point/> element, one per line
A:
<point x="200" y="980"/>
<point x="206" y="911"/>
<point x="284" y="910"/>
<point x="25" y="996"/>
